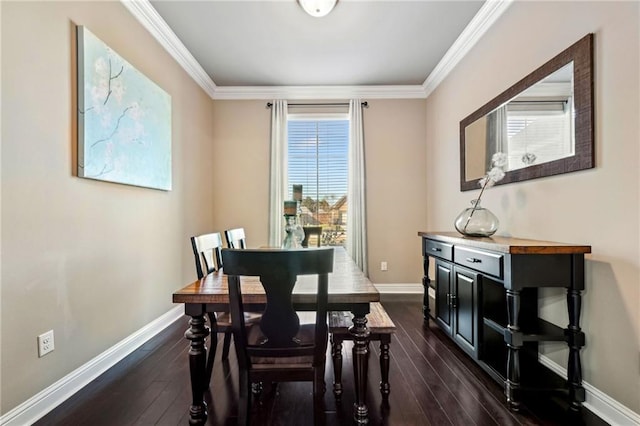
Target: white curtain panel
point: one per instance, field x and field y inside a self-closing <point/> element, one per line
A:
<point x="278" y="179"/>
<point x="356" y="211"/>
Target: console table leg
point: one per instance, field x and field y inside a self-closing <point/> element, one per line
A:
<point x="360" y="351"/>
<point x="425" y="284"/>
<point x="514" y="343"/>
<point x="575" y="340"/>
<point x="197" y="334"/>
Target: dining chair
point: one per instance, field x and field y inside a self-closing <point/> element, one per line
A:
<point x="309" y="231"/>
<point x="235" y="238"/>
<point x="278" y="348"/>
<point x="206" y="251"/>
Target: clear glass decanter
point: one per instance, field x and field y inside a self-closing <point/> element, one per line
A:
<point x="294" y="234"/>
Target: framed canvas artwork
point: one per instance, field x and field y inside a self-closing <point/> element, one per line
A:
<point x="124" y="119"/>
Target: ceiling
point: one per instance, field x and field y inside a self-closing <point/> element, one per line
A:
<point x="259" y="48"/>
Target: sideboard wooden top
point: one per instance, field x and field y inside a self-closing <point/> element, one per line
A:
<point x="509" y="245"/>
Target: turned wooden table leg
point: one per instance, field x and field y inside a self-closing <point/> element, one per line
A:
<point x="197" y="334"/>
<point x="513" y="339"/>
<point x="360" y="335"/>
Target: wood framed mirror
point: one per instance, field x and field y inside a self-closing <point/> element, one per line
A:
<point x="544" y="122"/>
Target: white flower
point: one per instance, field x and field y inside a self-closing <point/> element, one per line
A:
<point x="496" y="174"/>
<point x="499" y="159"/>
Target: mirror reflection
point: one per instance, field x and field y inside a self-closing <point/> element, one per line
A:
<point x="535" y="127"/>
<point x="543" y="123"/>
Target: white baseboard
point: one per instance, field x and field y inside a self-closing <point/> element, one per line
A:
<point x="43" y="402"/>
<point x="400" y="288"/>
<point x="599" y="403"/>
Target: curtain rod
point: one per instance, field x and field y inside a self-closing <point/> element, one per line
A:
<point x="364" y="104"/>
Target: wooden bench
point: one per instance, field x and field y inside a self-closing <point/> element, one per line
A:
<point x="380" y="326"/>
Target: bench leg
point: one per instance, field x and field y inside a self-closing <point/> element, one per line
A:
<point x="336" y="356"/>
<point x="385" y="389"/>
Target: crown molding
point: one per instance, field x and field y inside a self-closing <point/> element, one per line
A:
<point x="481" y="22"/>
<point x="153" y="22"/>
<point x="318" y="92"/>
<point x="145" y="13"/>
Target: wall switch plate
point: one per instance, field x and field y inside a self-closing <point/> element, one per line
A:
<point x="383" y="266"/>
<point x="45" y="343"/>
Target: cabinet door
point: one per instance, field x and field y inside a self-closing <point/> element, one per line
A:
<point x="443" y="277"/>
<point x="465" y="303"/>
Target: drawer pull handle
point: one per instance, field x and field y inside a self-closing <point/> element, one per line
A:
<point x="474" y="260"/>
<point x="436" y="249"/>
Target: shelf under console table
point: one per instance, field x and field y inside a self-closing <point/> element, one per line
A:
<point x="486" y="299"/>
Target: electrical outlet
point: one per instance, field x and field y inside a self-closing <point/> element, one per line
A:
<point x="45" y="343"/>
<point x="383" y="266"/>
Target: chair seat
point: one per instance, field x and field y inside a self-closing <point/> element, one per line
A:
<point x="224" y="318"/>
<point x="306" y="337"/>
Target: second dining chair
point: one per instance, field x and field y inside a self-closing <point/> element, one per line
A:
<point x="206" y="250"/>
<point x="235" y="238"/>
<point x="278" y="348"/>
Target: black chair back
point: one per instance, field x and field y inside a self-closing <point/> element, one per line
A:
<point x="278" y="348"/>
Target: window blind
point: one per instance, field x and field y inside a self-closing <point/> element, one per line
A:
<point x="542" y="136"/>
<point x="318" y="160"/>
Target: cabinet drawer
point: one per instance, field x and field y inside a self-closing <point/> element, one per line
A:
<point x="438" y="249"/>
<point x="483" y="261"/>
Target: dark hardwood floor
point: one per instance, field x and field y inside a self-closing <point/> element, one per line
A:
<point x="432" y="383"/>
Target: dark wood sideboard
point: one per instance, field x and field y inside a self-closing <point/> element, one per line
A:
<point x="486" y="298"/>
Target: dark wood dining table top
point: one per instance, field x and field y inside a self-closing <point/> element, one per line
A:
<point x="347" y="285"/>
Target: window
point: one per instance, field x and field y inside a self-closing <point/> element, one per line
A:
<point x="318" y="160"/>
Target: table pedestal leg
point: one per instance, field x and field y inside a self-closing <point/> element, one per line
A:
<point x="197" y="334"/>
<point x="360" y="334"/>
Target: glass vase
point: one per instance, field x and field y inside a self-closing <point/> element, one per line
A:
<point x="476" y="221"/>
<point x="294" y="234"/>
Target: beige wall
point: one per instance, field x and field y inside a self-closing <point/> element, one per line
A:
<point x="396" y="179"/>
<point x="395" y="153"/>
<point x="241" y="168"/>
<point x="599" y="207"/>
<point x="93" y="261"/>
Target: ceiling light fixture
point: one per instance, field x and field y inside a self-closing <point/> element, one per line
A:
<point x="317" y="8"/>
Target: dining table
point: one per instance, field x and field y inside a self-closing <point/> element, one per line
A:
<point x="349" y="290"/>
